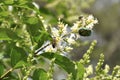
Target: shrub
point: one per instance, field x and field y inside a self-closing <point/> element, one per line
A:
<point x="30" y="48"/>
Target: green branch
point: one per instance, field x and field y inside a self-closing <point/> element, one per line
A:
<point x="6" y="73"/>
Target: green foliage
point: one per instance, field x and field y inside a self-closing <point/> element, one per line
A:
<point x="80" y="71"/>
<point x="7" y="34"/>
<point x="68" y="10"/>
<point x="17" y="54"/>
<point x="40" y="74"/>
<point x="62" y="61"/>
<point x="26" y="39"/>
<point x="1" y="69"/>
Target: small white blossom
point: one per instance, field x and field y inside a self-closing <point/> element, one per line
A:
<point x="107" y="68"/>
<point x="90" y="17"/>
<point x="89" y="71"/>
<point x="36" y="5"/>
<point x="68" y="48"/>
<point x="74" y="28"/>
<point x="90" y="26"/>
<point x="64" y="30"/>
<point x="90" y="22"/>
<point x="70" y="40"/>
<point x="10" y="8"/>
<point x="55" y="32"/>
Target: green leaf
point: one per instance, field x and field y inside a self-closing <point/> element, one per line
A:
<point x="12" y="35"/>
<point x="4" y="13"/>
<point x="21" y="2"/>
<point x="17" y="54"/>
<point x="49" y="15"/>
<point x="34" y="26"/>
<point x="44" y="36"/>
<point x="36" y="30"/>
<point x="7" y="34"/>
<point x="20" y="64"/>
<point x="40" y="74"/>
<point x="3" y="35"/>
<point x="62" y="61"/>
<point x="80" y="71"/>
<point x="8" y="2"/>
<point x="1" y="69"/>
<point x="32" y="20"/>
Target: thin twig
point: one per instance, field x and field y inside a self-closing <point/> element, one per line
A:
<point x="6" y="73"/>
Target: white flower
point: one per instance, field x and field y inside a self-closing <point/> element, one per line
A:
<point x="55" y="32"/>
<point x="89" y="70"/>
<point x="10" y="8"/>
<point x="90" y="26"/>
<point x="95" y="21"/>
<point x="70" y="40"/>
<point x="90" y="22"/>
<point x="36" y="5"/>
<point x="90" y="17"/>
<point x="64" y="30"/>
<point x="67" y="48"/>
<point x="74" y="28"/>
<point x="107" y="68"/>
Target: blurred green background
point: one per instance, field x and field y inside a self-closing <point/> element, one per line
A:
<point x="106" y="32"/>
<point x="108" y="14"/>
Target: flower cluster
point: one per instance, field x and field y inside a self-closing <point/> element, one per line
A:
<point x="99" y="72"/>
<point x="84" y="22"/>
<point x="62" y="39"/>
<point x="64" y="36"/>
<point x="84" y="25"/>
